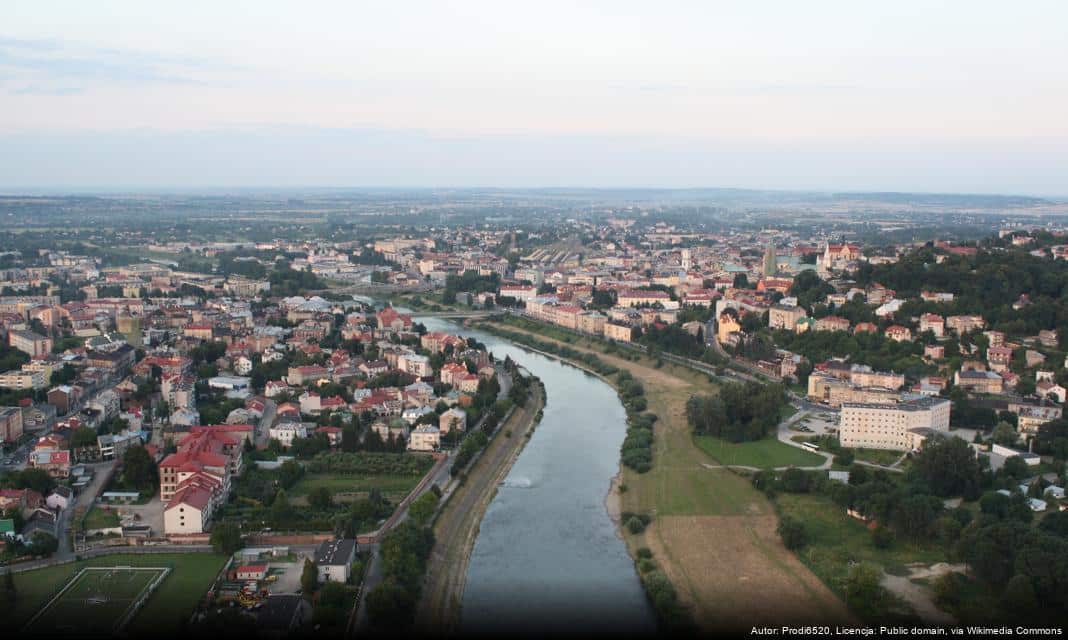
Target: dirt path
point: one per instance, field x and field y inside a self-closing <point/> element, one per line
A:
<point x="458" y="523"/>
<point x="919" y="596"/>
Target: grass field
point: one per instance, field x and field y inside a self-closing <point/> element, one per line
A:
<point x="712" y="533"/>
<point x="172" y="602"/>
<point x="349" y="487"/>
<point x="836" y="540"/>
<point x="95" y="601"/>
<point x="101" y="519"/>
<point x="766" y="453"/>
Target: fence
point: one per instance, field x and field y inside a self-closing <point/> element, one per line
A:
<point x="106" y="551"/>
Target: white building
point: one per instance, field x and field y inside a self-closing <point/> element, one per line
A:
<point x="334" y="560"/>
<point x="898" y="427"/>
<point x="286" y="432"/>
<point x="454" y="418"/>
<point x="415" y="364"/>
<point x="425" y="437"/>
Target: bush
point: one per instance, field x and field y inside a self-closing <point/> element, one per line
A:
<point x="795" y="481"/>
<point x="793" y="533"/>
<point x="881" y="537"/>
<point x="635" y="525"/>
<point x="644" y="553"/>
<point x="844" y="458"/>
<point x="646" y="565"/>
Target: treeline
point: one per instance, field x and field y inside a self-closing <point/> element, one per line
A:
<point x="370" y="463"/>
<point x="873" y="349"/>
<point x="285" y="281"/>
<point x="1023" y="568"/>
<point x="987" y="283"/>
<point x="404" y="553"/>
<point x="636" y="452"/>
<point x="469" y="282"/>
<point x="739" y="412"/>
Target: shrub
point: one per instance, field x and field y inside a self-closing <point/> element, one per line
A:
<point x="644" y="553"/>
<point x="881" y="537"/>
<point x="635" y="525"/>
<point x="793" y="533"/>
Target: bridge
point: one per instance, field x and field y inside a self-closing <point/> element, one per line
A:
<point x="454" y="314"/>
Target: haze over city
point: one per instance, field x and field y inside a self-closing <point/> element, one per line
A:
<point x="908" y="96"/>
<point x="595" y="319"/>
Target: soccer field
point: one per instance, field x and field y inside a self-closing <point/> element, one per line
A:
<point x="96" y="601"/>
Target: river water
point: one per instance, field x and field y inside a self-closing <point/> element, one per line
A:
<point x="548" y="558"/>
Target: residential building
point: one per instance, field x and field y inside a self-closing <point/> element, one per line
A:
<point x="454" y="418"/>
<point x="831" y="323"/>
<point x="934" y="323"/>
<point x="10" y="424"/>
<point x="334" y="559"/>
<point x="22" y="380"/>
<point x="425" y="437"/>
<point x="618" y="332"/>
<point x="784" y="317"/>
<point x="979" y="381"/>
<point x="30" y="343"/>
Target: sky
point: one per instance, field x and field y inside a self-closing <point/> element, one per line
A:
<point x="953" y="96"/>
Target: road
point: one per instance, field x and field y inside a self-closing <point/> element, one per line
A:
<point x="458" y="523"/>
<point x="262" y="433"/>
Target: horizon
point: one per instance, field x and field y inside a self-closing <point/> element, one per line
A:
<point x="829" y="97"/>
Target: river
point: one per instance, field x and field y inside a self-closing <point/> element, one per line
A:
<point x="548" y="558"/>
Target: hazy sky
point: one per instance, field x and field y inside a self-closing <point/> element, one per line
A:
<point x="933" y="96"/>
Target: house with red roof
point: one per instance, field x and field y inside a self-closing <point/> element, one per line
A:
<point x="389" y="318"/>
<point x="252" y="571"/>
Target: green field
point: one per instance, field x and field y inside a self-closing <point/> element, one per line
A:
<point x="191" y="575"/>
<point x="766" y="453"/>
<point x="98" y="518"/>
<point x="94" y="601"/>
<point x="351" y="486"/>
<point x="878" y="456"/>
<point x="837" y="540"/>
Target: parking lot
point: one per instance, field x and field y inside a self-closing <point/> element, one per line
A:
<point x="816" y="423"/>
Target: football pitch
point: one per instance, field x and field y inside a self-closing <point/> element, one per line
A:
<point x="96" y="601"/>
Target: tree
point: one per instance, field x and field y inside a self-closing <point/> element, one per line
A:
<point x="422" y="508"/>
<point x="320" y="498"/>
<point x="42" y="545"/>
<point x="83" y="437"/>
<point x="1019" y="595"/>
<point x="949" y="467"/>
<point x="309" y="578"/>
<point x="138" y="468"/>
<point x="390" y="604"/>
<point x="226" y="538"/>
<point x="793" y="533"/>
<point x="10" y="595"/>
<point x="1004" y="434"/>
<point x="289" y="473"/>
<point x="881" y="537"/>
<point x="33" y="478"/>
<point x="863" y="592"/>
<point x="947" y="588"/>
<point x="280" y="509"/>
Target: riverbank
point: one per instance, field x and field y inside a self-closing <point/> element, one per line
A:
<point x="457" y="524"/>
<point x="712" y="533"/>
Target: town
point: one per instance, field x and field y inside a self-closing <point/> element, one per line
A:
<point x="279" y="404"/>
